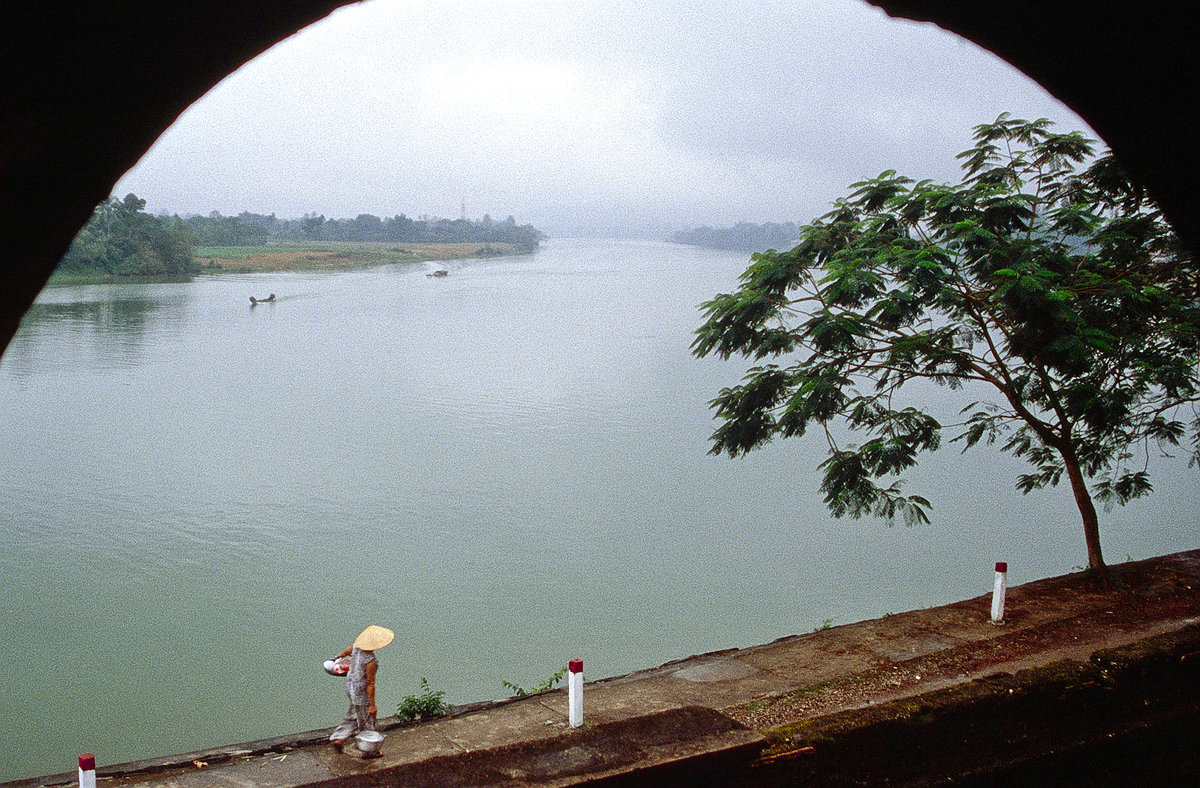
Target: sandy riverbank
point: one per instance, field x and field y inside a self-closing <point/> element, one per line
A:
<point x="304" y="257"/>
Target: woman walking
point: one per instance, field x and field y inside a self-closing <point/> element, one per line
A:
<point x="360" y="683"/>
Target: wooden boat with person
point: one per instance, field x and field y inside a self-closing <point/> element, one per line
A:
<point x="266" y="300"/>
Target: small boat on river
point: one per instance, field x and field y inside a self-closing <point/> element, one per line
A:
<point x="266" y="300"/>
<point x="442" y="272"/>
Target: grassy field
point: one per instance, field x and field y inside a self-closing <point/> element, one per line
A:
<point x="312" y="256"/>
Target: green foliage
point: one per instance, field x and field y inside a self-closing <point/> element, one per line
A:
<point x="424" y="706"/>
<point x="1046" y="277"/>
<point x="252" y="229"/>
<point x="218" y="230"/>
<point x="548" y="684"/>
<point x="121" y="239"/>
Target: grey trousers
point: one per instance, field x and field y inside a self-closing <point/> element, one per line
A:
<point x="356" y="719"/>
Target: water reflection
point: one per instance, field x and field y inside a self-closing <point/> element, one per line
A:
<point x="95" y="327"/>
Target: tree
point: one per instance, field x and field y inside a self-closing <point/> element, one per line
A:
<point x="121" y="239"/>
<point x="311" y="226"/>
<point x="1046" y="280"/>
<point x="245" y="229"/>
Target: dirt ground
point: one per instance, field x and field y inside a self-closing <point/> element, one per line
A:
<point x="1142" y="596"/>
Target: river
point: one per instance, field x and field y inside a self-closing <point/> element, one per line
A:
<point x="201" y="500"/>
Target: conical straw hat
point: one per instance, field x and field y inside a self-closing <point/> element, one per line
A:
<point x="374" y="638"/>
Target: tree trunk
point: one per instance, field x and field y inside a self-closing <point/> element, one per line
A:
<point x="1087" y="509"/>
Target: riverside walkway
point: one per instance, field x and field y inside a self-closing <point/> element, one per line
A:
<point x="723" y="711"/>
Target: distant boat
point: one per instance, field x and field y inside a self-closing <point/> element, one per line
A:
<point x="442" y="272"/>
<point x="266" y="300"/>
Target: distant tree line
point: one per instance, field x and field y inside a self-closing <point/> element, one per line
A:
<point x="122" y="239"/>
<point x="252" y="229"/>
<point x="742" y="237"/>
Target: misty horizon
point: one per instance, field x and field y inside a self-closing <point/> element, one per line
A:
<point x="583" y="119"/>
<point x="645" y="231"/>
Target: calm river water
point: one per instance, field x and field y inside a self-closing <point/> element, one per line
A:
<point x="200" y="501"/>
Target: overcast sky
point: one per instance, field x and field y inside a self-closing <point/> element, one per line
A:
<point x="583" y="116"/>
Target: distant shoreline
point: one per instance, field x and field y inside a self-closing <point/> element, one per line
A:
<point x="314" y="256"/>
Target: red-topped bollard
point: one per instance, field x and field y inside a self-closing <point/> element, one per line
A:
<point x="998" y="592"/>
<point x="575" y="692"/>
<point x="87" y="771"/>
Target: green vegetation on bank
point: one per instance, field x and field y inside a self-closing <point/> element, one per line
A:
<point x="122" y="240"/>
<point x="254" y="229"/>
<point x="426" y="705"/>
<point x="545" y="686"/>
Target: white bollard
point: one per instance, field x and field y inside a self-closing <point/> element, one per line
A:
<point x="575" y="692"/>
<point x="87" y="771"/>
<point x="998" y="592"/>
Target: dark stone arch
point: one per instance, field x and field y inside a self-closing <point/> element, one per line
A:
<point x="89" y="87"/>
<point x="1128" y="69"/>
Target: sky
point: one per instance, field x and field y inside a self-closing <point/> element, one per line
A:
<point x="584" y="118"/>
